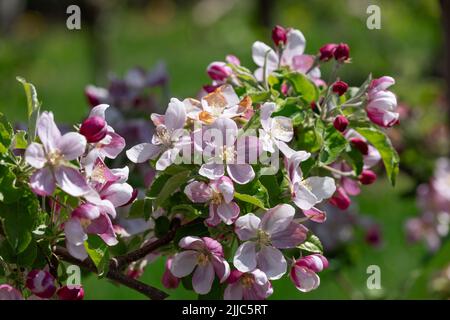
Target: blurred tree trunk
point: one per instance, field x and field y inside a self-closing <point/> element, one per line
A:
<point x="445" y="8"/>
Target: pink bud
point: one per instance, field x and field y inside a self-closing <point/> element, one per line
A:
<point x="340" y="199"/>
<point x="342" y="52"/>
<point x="71" y="293"/>
<point x="94" y="129"/>
<point x="279" y="35"/>
<point x="340" y="87"/>
<point x="41" y="283"/>
<point x="219" y="71"/>
<point x="314" y="262"/>
<point x="373" y="236"/>
<point x="367" y="177"/>
<point x="327" y="51"/>
<point x="361" y="145"/>
<point x="340" y="123"/>
<point x="169" y="281"/>
<point x="230" y="58"/>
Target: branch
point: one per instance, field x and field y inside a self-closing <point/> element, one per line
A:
<point x="113" y="274"/>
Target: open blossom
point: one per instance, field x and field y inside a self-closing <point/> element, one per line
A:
<point x="41" y="283"/>
<point x="264" y="237"/>
<point x="292" y="56"/>
<point x="112" y="144"/>
<point x="253" y="285"/>
<point x="84" y="220"/>
<point x="382" y="104"/>
<point x="8" y="292"/>
<point x="231" y="153"/>
<point x="304" y="272"/>
<point x="306" y="193"/>
<point x="168" y="140"/>
<point x="52" y="159"/>
<point x="219" y="194"/>
<point x="274" y="129"/>
<point x="205" y="255"/>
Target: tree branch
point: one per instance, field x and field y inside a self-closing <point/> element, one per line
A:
<point x="113" y="274"/>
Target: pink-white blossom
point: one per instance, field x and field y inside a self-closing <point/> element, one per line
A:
<point x="382" y="104"/>
<point x="274" y="129"/>
<point x="304" y="272"/>
<point x="253" y="285"/>
<point x="8" y="292"/>
<point x="41" y="283"/>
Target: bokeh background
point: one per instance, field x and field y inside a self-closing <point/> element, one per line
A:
<point x="180" y="38"/>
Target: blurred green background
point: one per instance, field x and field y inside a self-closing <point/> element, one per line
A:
<point x="188" y="35"/>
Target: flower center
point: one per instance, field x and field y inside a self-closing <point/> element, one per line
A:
<point x="164" y="136"/>
<point x="85" y="222"/>
<point x="247" y="280"/>
<point x="228" y="154"/>
<point x="263" y="238"/>
<point x="54" y="158"/>
<point x="217" y="198"/>
<point x="202" y="259"/>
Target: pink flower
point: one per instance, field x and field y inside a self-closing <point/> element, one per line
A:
<point x="274" y="129"/>
<point x="71" y="293"/>
<point x="292" y="56"/>
<point x="84" y="220"/>
<point x="169" y="281"/>
<point x="112" y="144"/>
<point x="306" y="193"/>
<point x="168" y="140"/>
<point x="233" y="153"/>
<point x="382" y="104"/>
<point x="263" y="237"/>
<point x="253" y="285"/>
<point x="205" y="255"/>
<point x="304" y="272"/>
<point x="219" y="194"/>
<point x="52" y="159"/>
<point x="8" y="292"/>
<point x="41" y="283"/>
<point x="219" y="71"/>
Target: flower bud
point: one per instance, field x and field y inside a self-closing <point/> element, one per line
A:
<point x="373" y="236"/>
<point x="361" y="145"/>
<point x="279" y="35"/>
<point x="41" y="283"/>
<point x="94" y="129"/>
<point x="340" y="87"/>
<point x="231" y="58"/>
<point x="327" y="51"/>
<point x="71" y="293"/>
<point x="367" y="177"/>
<point x="342" y="52"/>
<point x="340" y="123"/>
<point x="169" y="281"/>
<point x="219" y="71"/>
<point x="340" y="199"/>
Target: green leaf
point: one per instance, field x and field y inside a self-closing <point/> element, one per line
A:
<point x="141" y="208"/>
<point x="19" y="140"/>
<point x="384" y="146"/>
<point x="312" y="244"/>
<point x="249" y="199"/>
<point x="27" y="257"/>
<point x="308" y="139"/>
<point x="171" y="185"/>
<point x="303" y="86"/>
<point x="33" y="106"/>
<point x="334" y="144"/>
<point x="98" y="252"/>
<point x="6" y="132"/>
<point x="356" y="159"/>
<point x="10" y="193"/>
<point x="197" y="228"/>
<point x="259" y="96"/>
<point x="162" y="226"/>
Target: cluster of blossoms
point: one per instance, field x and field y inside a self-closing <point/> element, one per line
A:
<point x="239" y="171"/>
<point x="433" y="199"/>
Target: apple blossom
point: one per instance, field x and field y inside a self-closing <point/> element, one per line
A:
<point x="205" y="257"/>
<point x="382" y="104"/>
<point x="52" y="159"/>
<point x="264" y="237"/>
<point x="168" y="280"/>
<point x="219" y="71"/>
<point x="253" y="285"/>
<point x="274" y="129"/>
<point x="8" y="292"/>
<point x="304" y="272"/>
<point x="219" y="194"/>
<point x="41" y="283"/>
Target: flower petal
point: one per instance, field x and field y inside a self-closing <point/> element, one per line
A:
<point x="241" y="173"/>
<point x="228" y="212"/>
<point x="117" y="193"/>
<point x="278" y="218"/>
<point x="47" y="131"/>
<point x="192" y="243"/>
<point x="245" y="257"/>
<point x="321" y="187"/>
<point x="221" y="267"/>
<point x="233" y="291"/>
<point x="143" y="152"/>
<point x="72" y="145"/>
<point x="203" y="278"/>
<point x="71" y="181"/>
<point x="262" y="55"/>
<point x="74" y="231"/>
<point x="183" y="263"/>
<point x="35" y="156"/>
<point x="198" y="192"/>
<point x="295" y="45"/>
<point x="290" y="237"/>
<point x="246" y="227"/>
<point x="99" y="111"/>
<point x="42" y="182"/>
<point x="77" y="251"/>
<point x="175" y="116"/>
<point x="304" y="279"/>
<point x="272" y="262"/>
<point x="212" y="171"/>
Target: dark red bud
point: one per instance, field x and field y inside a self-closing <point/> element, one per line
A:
<point x="71" y="293"/>
<point x="340" y="87"/>
<point x="279" y="35"/>
<point x="94" y="129"/>
<point x="340" y="123"/>
<point x="361" y="145"/>
<point x="340" y="199"/>
<point x="327" y="51"/>
<point x="367" y="177"/>
<point x="342" y="52"/>
<point x="373" y="236"/>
